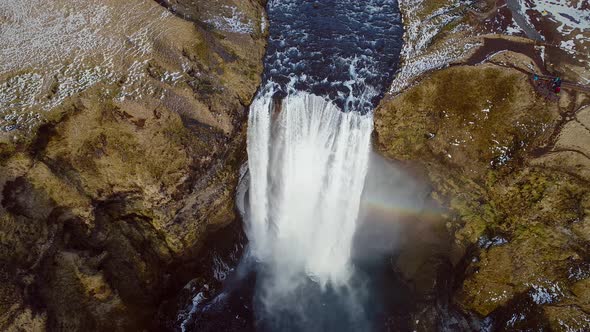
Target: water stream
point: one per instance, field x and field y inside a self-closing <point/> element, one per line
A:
<point x="327" y="65"/>
<point x="307" y="171"/>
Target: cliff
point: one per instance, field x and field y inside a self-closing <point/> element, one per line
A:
<point x="121" y="139"/>
<point x="507" y="158"/>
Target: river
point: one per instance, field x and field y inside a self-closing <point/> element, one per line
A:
<point x="316" y="257"/>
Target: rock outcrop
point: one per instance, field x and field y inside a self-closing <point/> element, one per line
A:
<point x="507" y="158"/>
<point x="120" y="144"/>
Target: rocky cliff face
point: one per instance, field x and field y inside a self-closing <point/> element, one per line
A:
<point x="508" y="159"/>
<point x="121" y="134"/>
<point x="120" y="142"/>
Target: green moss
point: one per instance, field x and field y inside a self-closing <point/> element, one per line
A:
<point x="92" y="149"/>
<point x="459" y="93"/>
<point x="6" y="150"/>
<point x="414" y="96"/>
<point x="123" y="143"/>
<point x="203" y="52"/>
<point x="156" y="71"/>
<point x="204" y="86"/>
<point x="484" y="108"/>
<point x="177" y="133"/>
<point x="430" y="6"/>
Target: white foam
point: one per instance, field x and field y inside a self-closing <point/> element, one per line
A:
<point x="307" y="172"/>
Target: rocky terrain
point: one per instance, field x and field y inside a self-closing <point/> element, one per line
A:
<point x="121" y="135"/>
<point x="508" y="160"/>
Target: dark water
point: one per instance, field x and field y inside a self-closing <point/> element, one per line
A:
<point x="347" y="51"/>
<point x="239" y="308"/>
<point x="375" y="300"/>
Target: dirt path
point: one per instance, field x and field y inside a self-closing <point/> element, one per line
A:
<point x="494" y="45"/>
<point x="564" y="84"/>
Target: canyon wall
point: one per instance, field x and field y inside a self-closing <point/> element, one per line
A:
<point x="122" y="135"/>
<point x="507" y="158"/>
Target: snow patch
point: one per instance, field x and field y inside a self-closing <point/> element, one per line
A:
<point x="571" y="17"/>
<point x="513" y="29"/>
<point x="234" y="22"/>
<point x="486" y="243"/>
<point x="515" y="318"/>
<point x="53" y="50"/>
<point x="416" y="55"/>
<point x="545" y="292"/>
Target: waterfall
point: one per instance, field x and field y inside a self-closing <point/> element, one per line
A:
<point x="305" y="266"/>
<point x="307" y="161"/>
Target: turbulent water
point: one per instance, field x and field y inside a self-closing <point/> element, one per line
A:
<point x="307" y="170"/>
<point x="329" y="62"/>
<point x="344" y="50"/>
<point x="309" y="131"/>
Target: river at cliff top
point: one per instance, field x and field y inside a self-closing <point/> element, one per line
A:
<point x="318" y="242"/>
<point x="345" y="50"/>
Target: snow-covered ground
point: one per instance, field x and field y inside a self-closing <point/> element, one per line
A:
<point x="571" y="21"/>
<point x="418" y="55"/>
<point x="561" y="23"/>
<point x="54" y="49"/>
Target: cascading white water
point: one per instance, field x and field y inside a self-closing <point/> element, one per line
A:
<point x="307" y="166"/>
<point x="300" y="195"/>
